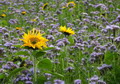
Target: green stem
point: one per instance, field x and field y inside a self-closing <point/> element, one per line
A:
<point x="35" y="70"/>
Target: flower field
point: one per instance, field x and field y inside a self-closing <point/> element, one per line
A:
<point x="59" y="41"/>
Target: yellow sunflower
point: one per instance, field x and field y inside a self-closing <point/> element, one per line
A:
<point x="44" y="6"/>
<point x="3" y="15"/>
<point x="33" y="20"/>
<point x="34" y="39"/>
<point x="18" y="28"/>
<point x="66" y="31"/>
<point x="23" y="12"/>
<point x="71" y="4"/>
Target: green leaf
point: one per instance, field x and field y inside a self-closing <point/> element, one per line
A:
<point x="49" y="48"/>
<point x="58" y="75"/>
<point x="38" y="53"/>
<point x="22" y="53"/>
<point x="4" y="22"/>
<point x="41" y="80"/>
<point x="17" y="46"/>
<point x="12" y="73"/>
<point x="45" y="64"/>
<point x="54" y="73"/>
<point x="71" y="64"/>
<point x="2" y="75"/>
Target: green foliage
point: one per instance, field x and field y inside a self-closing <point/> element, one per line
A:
<point x="48" y="48"/>
<point x="110" y="57"/>
<point x="2" y="75"/>
<point x="45" y="64"/>
<point x="41" y="79"/>
<point x="38" y="53"/>
<point x="15" y="72"/>
<point x="22" y="53"/>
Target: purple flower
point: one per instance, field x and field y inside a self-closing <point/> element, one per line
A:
<point x="7" y="44"/>
<point x="104" y="68"/>
<point x="57" y="81"/>
<point x="28" y="82"/>
<point x="13" y="21"/>
<point x="78" y="81"/>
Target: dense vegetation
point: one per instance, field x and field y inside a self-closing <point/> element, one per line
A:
<point x="87" y="53"/>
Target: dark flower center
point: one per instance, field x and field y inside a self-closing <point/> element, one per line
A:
<point x="66" y="33"/>
<point x="34" y="40"/>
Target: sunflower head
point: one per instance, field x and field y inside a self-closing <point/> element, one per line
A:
<point x="23" y="12"/>
<point x="45" y="6"/>
<point x="66" y="31"/>
<point x="71" y="4"/>
<point x="33" y="39"/>
<point x="3" y="15"/>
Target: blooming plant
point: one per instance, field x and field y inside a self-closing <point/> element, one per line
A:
<point x="34" y="39"/>
<point x="66" y="31"/>
<point x="18" y="28"/>
<point x="59" y="42"/>
<point x="3" y="15"/>
<point x="23" y="12"/>
<point x="71" y="4"/>
<point x="45" y="6"/>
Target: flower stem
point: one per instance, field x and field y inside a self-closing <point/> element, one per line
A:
<point x="35" y="70"/>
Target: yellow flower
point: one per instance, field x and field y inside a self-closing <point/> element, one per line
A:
<point x="71" y="4"/>
<point x="33" y="20"/>
<point x="44" y="6"/>
<point x="18" y="28"/>
<point x="66" y="31"/>
<point x="64" y="7"/>
<point x="34" y="39"/>
<point x="23" y="12"/>
<point x="3" y="15"/>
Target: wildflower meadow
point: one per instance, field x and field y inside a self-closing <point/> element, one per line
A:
<point x="59" y="41"/>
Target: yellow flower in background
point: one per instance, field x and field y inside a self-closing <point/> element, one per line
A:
<point x="64" y="7"/>
<point x="66" y="31"/>
<point x="44" y="6"/>
<point x="3" y="15"/>
<point x="23" y="12"/>
<point x="18" y="28"/>
<point x="33" y="20"/>
<point x="34" y="39"/>
<point x="71" y="4"/>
